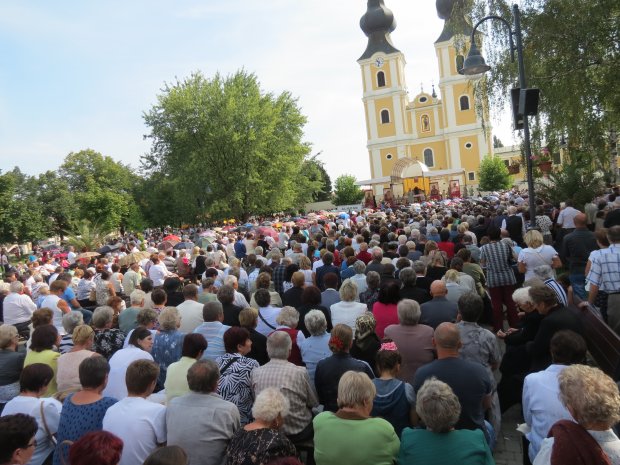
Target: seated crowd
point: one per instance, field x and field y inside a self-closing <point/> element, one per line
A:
<point x="364" y="342"/>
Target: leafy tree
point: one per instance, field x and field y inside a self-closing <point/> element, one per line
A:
<point x="578" y="180"/>
<point x="87" y="236"/>
<point x="225" y="142"/>
<point x="52" y="192"/>
<point x="314" y="184"/>
<point x="102" y="189"/>
<point x="572" y="54"/>
<point x="497" y="142"/>
<point x="346" y="191"/>
<point x="493" y="174"/>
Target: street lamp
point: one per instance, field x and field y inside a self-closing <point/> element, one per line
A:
<point x="526" y="99"/>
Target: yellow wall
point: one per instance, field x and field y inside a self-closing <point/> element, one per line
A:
<point x="372" y="165"/>
<point x="410" y="184"/>
<point x="469" y="157"/>
<point x="386" y="165"/>
<point x="467" y="116"/>
<point x="439" y="151"/>
<point x="367" y="121"/>
<point x="387" y="129"/>
<point x="386" y="70"/>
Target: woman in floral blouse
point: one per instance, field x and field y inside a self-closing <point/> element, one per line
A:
<point x="168" y="344"/>
<point x="236" y="371"/>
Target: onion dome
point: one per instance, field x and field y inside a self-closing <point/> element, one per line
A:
<point x="377" y="24"/>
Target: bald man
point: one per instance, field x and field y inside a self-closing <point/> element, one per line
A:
<point x="469" y="380"/>
<point x="576" y="248"/>
<point x="439" y="309"/>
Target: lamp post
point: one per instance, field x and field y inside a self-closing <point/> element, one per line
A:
<point x="475" y="64"/>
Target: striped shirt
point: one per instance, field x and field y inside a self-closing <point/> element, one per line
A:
<point x="559" y="291"/>
<point x="605" y="269"/>
<point x="496" y="257"/>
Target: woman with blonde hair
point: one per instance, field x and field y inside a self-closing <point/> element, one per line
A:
<point x="350" y="435"/>
<point x="68" y="377"/>
<point x="305" y="266"/>
<point x="593" y="400"/>
<point x="535" y="254"/>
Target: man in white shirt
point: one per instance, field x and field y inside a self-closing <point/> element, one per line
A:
<point x="541" y="392"/>
<point x="71" y="255"/>
<point x="158" y="272"/>
<point x="190" y="310"/>
<point x="240" y="300"/>
<point x="131" y="279"/>
<point x="137" y="418"/>
<point x="18" y="308"/>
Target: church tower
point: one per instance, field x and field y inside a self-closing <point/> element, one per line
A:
<point x="432" y="143"/>
<point x="466" y="142"/>
<point x="384" y="91"/>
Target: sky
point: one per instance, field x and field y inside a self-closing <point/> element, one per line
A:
<point x="80" y="74"/>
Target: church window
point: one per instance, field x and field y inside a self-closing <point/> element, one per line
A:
<point x="464" y="102"/>
<point x="422" y="99"/>
<point x="468" y="145"/>
<point x="426" y="123"/>
<point x="389" y="156"/>
<point x="471" y="176"/>
<point x="459" y="63"/>
<point x="380" y="79"/>
<point x="385" y="116"/>
<point x="429" y="158"/>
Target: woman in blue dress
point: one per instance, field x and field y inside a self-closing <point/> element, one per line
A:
<point x="83" y="411"/>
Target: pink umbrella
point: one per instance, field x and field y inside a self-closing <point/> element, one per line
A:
<point x="267" y="231"/>
<point x="172" y="237"/>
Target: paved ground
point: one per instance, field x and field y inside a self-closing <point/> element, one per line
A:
<point x="508" y="449"/>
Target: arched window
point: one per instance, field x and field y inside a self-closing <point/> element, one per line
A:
<point x="385" y="116"/>
<point x="380" y="79"/>
<point x="464" y="102"/>
<point x="459" y="63"/>
<point x="429" y="159"/>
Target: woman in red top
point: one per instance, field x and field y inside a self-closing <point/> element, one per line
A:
<point x="384" y="309"/>
<point x="445" y="245"/>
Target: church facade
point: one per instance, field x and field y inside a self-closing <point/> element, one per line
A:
<point x="434" y="142"/>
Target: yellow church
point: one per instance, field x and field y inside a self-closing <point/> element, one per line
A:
<point x="431" y="145"/>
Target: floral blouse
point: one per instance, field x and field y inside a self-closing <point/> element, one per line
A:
<point x="108" y="341"/>
<point x="167" y="349"/>
<point x="258" y="447"/>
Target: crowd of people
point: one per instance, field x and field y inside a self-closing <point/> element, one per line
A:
<point x="378" y="337"/>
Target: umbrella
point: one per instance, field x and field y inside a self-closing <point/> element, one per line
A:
<point x="184" y="245"/>
<point x="167" y="245"/>
<point x="172" y="237"/>
<point x="289" y="223"/>
<point x="88" y="254"/>
<point x="208" y="233"/>
<point x="267" y="231"/>
<point x="343" y="216"/>
<point x="134" y="257"/>
<point x="108" y="248"/>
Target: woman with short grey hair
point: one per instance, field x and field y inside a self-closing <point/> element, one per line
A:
<point x="70" y="321"/>
<point x="316" y="347"/>
<point x="108" y="340"/>
<point x="439" y="409"/>
<point x="347" y="310"/>
<point x="287" y="321"/>
<point x="168" y="343"/>
<point x="359" y="278"/>
<point x="366" y="440"/>
<point x="414" y="341"/>
<point x="261" y="441"/>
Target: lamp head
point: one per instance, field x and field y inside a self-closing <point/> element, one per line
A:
<point x="474" y="63"/>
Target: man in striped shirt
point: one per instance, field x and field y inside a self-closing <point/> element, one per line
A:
<point x="604" y="275"/>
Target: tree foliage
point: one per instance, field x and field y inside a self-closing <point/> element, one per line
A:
<point x="493" y="174"/>
<point x="346" y="192"/>
<point x="237" y="149"/>
<point x="572" y="53"/>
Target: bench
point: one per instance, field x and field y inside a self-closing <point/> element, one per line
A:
<point x="603" y="342"/>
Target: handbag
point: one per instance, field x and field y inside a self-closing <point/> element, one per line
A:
<point x="50" y="436"/>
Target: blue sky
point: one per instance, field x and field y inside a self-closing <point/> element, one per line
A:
<point x="79" y="74"/>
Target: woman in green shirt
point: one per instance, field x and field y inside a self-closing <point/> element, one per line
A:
<point x="350" y="436"/>
<point x="44" y="338"/>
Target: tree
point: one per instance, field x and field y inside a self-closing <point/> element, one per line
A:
<point x="231" y="148"/>
<point x="493" y="174"/>
<point x="314" y="184"/>
<point x="102" y="189"/>
<point x="346" y="191"/>
<point x="497" y="142"/>
<point x="571" y="53"/>
<point x="87" y="236"/>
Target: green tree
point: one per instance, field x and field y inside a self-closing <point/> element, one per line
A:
<point x="493" y="174"/>
<point x="231" y="148"/>
<point x="52" y="192"/>
<point x="87" y="236"/>
<point x="102" y="189"/>
<point x="346" y="192"/>
<point x="572" y="54"/>
<point x="314" y="184"/>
